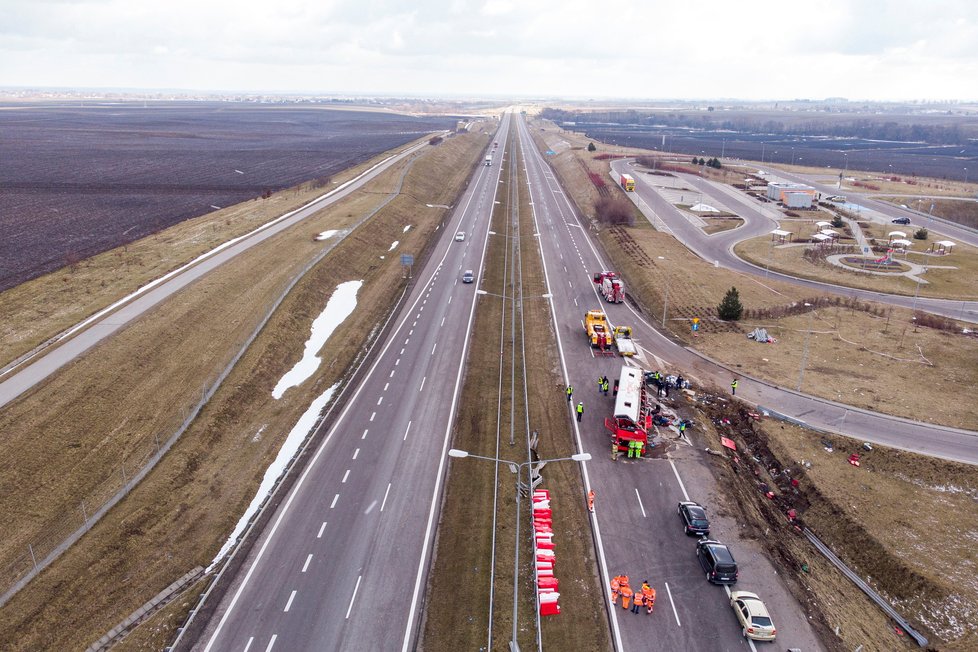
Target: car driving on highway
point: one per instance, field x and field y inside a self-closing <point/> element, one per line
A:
<point x="460" y="236"/>
<point x="468" y="276"/>
<point x="718" y="562"/>
<point x="901" y="220"/>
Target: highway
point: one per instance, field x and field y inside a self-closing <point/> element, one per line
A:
<point x="47" y="359"/>
<point x="719" y="247"/>
<point x="635" y="504"/>
<point x="344" y="560"/>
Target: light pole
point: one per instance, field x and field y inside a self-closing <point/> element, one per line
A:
<point x="845" y="170"/>
<point x="792" y="155"/>
<point x="966" y="175"/>
<point x="517" y="468"/>
<point x="916" y="291"/>
<point x="804" y="355"/>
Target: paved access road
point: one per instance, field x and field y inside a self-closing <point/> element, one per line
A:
<point x="43" y="362"/>
<point x="635" y="506"/>
<point x="719" y="246"/>
<point x="342" y="564"/>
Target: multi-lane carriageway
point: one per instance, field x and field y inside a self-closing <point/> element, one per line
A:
<point x="343" y="560"/>
<point x="342" y="563"/>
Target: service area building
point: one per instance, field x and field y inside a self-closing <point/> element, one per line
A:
<point x="792" y="195"/>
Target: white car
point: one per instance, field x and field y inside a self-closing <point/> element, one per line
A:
<point x="753" y="616"/>
<point x="460" y="236"/>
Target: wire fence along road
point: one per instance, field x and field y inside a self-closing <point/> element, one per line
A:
<point x="55" y="537"/>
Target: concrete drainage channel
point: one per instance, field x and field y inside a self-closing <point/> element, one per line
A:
<point x="919" y="638"/>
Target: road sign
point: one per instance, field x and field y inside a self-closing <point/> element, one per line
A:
<point x="407" y="259"/>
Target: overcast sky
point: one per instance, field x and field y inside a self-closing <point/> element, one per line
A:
<point x="880" y="49"/>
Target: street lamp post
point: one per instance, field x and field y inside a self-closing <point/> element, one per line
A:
<point x="517" y="468"/>
<point x="804" y="355"/>
<point x="966" y="175"/>
<point x="665" y="301"/>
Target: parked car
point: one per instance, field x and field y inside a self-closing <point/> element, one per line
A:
<point x="718" y="562"/>
<point x="901" y="220"/>
<point x="754" y="619"/>
<point x="694" y="518"/>
<point x="468" y="276"/>
<point x="460" y="236"/>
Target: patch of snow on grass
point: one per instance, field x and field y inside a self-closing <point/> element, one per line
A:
<point x="289" y="448"/>
<point x="407" y="228"/>
<point x="325" y="235"/>
<point x="337" y="309"/>
<point x="394" y="244"/>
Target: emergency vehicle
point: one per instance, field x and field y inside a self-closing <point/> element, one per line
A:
<point x="632" y="418"/>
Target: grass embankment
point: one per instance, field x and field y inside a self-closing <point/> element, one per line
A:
<point x="69" y="435"/>
<point x="464" y="544"/>
<point x="962" y="211"/>
<point x="40" y="309"/>
<point x="887" y="519"/>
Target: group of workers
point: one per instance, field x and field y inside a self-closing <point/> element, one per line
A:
<point x="635" y="599"/>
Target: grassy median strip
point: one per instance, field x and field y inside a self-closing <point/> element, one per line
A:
<point x="464" y="544"/>
<point x="68" y="437"/>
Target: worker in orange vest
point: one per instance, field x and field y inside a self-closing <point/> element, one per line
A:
<point x="649" y="599"/>
<point x="637" y="605"/>
<point x="615" y="588"/>
<point x="626" y="596"/>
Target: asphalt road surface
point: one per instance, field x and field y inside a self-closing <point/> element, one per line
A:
<point x="636" y="501"/>
<point x="344" y="560"/>
<point x="719" y="247"/>
<point x="44" y="361"/>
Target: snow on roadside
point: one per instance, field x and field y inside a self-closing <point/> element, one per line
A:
<point x="289" y="448"/>
<point x="407" y="228"/>
<point x="325" y="235"/>
<point x="338" y="308"/>
<point x="394" y="245"/>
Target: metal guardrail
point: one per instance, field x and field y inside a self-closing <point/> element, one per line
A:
<point x="919" y="638"/>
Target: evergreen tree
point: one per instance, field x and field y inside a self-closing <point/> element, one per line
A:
<point x="591" y="147"/>
<point x="730" y="309"/>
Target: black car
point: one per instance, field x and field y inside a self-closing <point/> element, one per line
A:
<point x="718" y="562"/>
<point x="694" y="518"/>
<point x="901" y="220"/>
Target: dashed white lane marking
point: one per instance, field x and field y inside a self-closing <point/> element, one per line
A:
<point x="355" y="453"/>
<point x="443" y="321"/>
<point x="414" y="324"/>
<point x="433" y="348"/>
<point x="679" y="480"/>
<point x="385" y="496"/>
<point x="450" y="299"/>
<point x="407" y="340"/>
<point x="386" y="385"/>
<point x="401" y="353"/>
<point x="397" y="362"/>
<point x="289" y="602"/>
<point x="322" y="528"/>
<point x="271" y="643"/>
<point x="672" y="602"/>
<point x="644" y="515"/>
<point x="370" y="507"/>
<point x="406" y="431"/>
<point x="355" y="589"/>
<point x="575" y="302"/>
<point x="347" y="475"/>
<point x="411" y="332"/>
<point x="392" y="374"/>
<point x="418" y="316"/>
<point x="251" y="639"/>
<point x="372" y="415"/>
<point x="305" y="566"/>
<point x="422" y="383"/>
<point x="333" y="504"/>
<point x="365" y="431"/>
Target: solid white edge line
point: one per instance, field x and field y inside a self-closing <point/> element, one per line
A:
<point x="384" y="502"/>
<point x="615" y="630"/>
<point x="354" y="597"/>
<point x="672" y="603"/>
<point x="641" y="506"/>
<point x="448" y="431"/>
<point x="288" y="603"/>
<point x="678" y="479"/>
<point x="322" y="447"/>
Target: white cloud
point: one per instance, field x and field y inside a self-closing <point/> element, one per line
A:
<point x="712" y="48"/>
